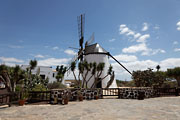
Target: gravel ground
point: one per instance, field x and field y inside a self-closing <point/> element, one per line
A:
<point x="162" y="108"/>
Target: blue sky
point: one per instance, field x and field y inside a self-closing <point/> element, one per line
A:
<point x="140" y="33"/>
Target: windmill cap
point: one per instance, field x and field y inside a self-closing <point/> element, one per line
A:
<point x="94" y="48"/>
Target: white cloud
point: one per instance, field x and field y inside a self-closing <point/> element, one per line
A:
<point x="112" y="40"/>
<point x="70" y="52"/>
<point x="178" y="25"/>
<point x="39" y="56"/>
<point x="170" y="63"/>
<point x="55" y="48"/>
<point x="150" y="51"/>
<point x="122" y="74"/>
<point x="11" y="60"/>
<point x="125" y="58"/>
<point x="143" y="38"/>
<point x="124" y="30"/>
<point x="177" y="49"/>
<point x="15" y="46"/>
<point x="128" y="32"/>
<point x="137" y="35"/>
<point x="135" y="48"/>
<point x="175" y="43"/>
<point x="53" y="62"/>
<point x="145" y="27"/>
<point x="156" y="27"/>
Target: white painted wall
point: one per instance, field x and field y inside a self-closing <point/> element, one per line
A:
<point x="90" y="58"/>
<point x="44" y="70"/>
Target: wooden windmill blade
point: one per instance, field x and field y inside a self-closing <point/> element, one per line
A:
<point x="90" y="41"/>
<point x="119" y="63"/>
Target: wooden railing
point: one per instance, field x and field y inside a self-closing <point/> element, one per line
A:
<point x="167" y="91"/>
<point x="5" y="99"/>
<point x="38" y="96"/>
<point x="110" y="91"/>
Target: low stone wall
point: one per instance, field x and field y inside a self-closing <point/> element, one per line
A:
<point x="89" y="94"/>
<point x="133" y="93"/>
<point x="57" y="95"/>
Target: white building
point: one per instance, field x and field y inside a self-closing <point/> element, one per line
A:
<point x="45" y="72"/>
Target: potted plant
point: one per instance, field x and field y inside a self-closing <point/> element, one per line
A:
<point x="96" y="95"/>
<point x="23" y="98"/>
<point x="80" y="96"/>
<point x="65" y="99"/>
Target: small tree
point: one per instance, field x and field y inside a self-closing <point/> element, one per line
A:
<point x="148" y="78"/>
<point x="60" y="73"/>
<point x="174" y="73"/>
<point x="93" y="69"/>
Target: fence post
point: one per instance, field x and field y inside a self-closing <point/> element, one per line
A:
<point x="50" y="96"/>
<point x="176" y="92"/>
<point x="119" y="93"/>
<point x="10" y="97"/>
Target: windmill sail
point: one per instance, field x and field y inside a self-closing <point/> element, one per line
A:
<point x="120" y="63"/>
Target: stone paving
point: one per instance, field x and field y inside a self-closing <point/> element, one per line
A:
<point x="162" y="108"/>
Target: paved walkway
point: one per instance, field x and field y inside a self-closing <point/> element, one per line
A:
<point x="162" y="108"/>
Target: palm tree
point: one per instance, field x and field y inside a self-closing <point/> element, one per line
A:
<point x="33" y="64"/>
<point x="158" y="67"/>
<point x="97" y="73"/>
<point x="73" y="67"/>
<point x="17" y="76"/>
<point x="60" y="73"/>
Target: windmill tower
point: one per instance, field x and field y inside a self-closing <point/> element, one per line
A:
<point x="95" y="53"/>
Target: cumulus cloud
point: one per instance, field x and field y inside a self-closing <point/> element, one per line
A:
<point x="145" y="27"/>
<point x="175" y="43"/>
<point x="143" y="38"/>
<point x="125" y="58"/>
<point x="55" y="48"/>
<point x="137" y="35"/>
<point x="122" y="74"/>
<point x="112" y="40"/>
<point x="150" y="51"/>
<point x="178" y="25"/>
<point x="39" y="56"/>
<point x="135" y="48"/>
<point x="70" y="52"/>
<point x="169" y="63"/>
<point x="128" y="32"/>
<point x="11" y="60"/>
<point x="53" y="62"/>
<point x="177" y="49"/>
<point x="141" y="45"/>
<point x="156" y="27"/>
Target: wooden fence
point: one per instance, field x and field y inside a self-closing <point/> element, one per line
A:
<point x="110" y="91"/>
<point x="5" y="99"/>
<point x="167" y="91"/>
<point x="39" y="96"/>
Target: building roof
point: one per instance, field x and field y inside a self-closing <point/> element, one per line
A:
<point x="94" y="48"/>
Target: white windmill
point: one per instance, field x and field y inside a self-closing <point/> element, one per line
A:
<point x="95" y="53"/>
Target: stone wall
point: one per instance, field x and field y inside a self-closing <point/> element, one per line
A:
<point x="133" y="93"/>
<point x="89" y="94"/>
<point x="58" y="94"/>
